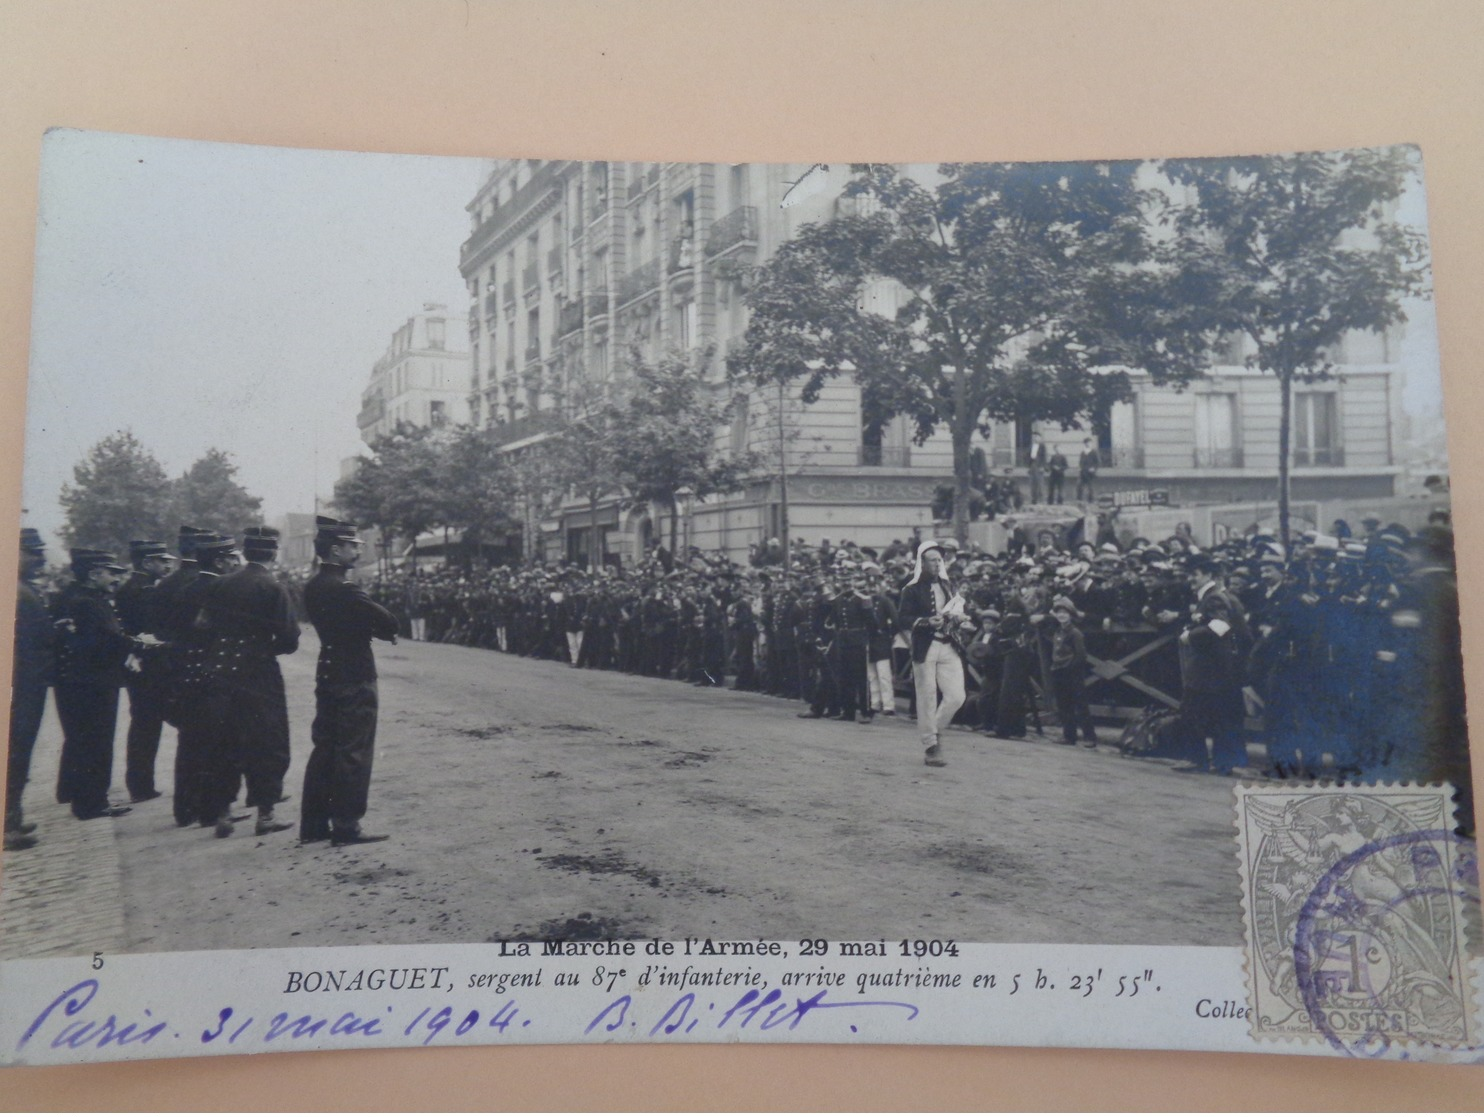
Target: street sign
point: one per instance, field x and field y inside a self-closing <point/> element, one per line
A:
<point x="1135" y="498"/>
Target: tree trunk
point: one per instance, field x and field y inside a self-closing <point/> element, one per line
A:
<point x="962" y="428"/>
<point x="594" y="559"/>
<point x="961" y="439"/>
<point x="1285" y="435"/>
<point x="674" y="529"/>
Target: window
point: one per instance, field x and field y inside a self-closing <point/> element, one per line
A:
<point x="686" y="324"/>
<point x="436" y="334"/>
<point x="437" y="415"/>
<point x="737" y="194"/>
<point x="1216" y="431"/>
<point x="1316" y="429"/>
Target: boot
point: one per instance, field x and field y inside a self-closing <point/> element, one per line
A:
<point x="267" y="824"/>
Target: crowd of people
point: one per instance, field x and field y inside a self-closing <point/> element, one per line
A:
<point x="194" y="639"/>
<point x="1341" y="657"/>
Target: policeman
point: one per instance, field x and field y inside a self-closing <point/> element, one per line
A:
<point x="152" y="562"/>
<point x="30" y="677"/>
<point x="92" y="651"/>
<point x="250" y="617"/>
<point x="337" y="779"/>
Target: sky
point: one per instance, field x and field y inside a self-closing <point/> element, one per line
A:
<point x="221" y="295"/>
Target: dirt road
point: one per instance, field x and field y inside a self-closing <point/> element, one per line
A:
<point x="526" y="798"/>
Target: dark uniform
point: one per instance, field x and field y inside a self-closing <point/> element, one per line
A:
<point x="337" y="779"/>
<point x="251" y="621"/>
<point x="30" y="677"/>
<point x="91" y="652"/>
<point x="137" y="613"/>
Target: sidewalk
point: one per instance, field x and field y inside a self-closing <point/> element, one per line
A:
<point x="64" y="896"/>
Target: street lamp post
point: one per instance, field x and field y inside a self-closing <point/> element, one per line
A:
<point x="683" y="497"/>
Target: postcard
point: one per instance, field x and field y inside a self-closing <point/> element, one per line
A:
<point x="478" y="601"/>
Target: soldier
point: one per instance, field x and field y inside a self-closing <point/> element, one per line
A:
<point x="204" y="557"/>
<point x="30" y="677"/>
<point x="337" y="779"/>
<point x="250" y="618"/>
<point x="152" y="563"/>
<point x="92" y="652"/>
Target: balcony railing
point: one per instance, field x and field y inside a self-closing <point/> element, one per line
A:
<point x="530" y="278"/>
<point x="507" y="292"/>
<point x="526" y="426"/>
<point x="644" y="278"/>
<point x="597" y="304"/>
<point x="1319" y="455"/>
<point x="736" y="229"/>
<point x="541" y="184"/>
<point x="897" y="457"/>
<point x="569" y="317"/>
<point x="1225" y="458"/>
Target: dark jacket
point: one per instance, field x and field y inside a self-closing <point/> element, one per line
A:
<point x="914" y="614"/>
<point x="93" y="645"/>
<point x="347" y="620"/>
<point x="250" y="618"/>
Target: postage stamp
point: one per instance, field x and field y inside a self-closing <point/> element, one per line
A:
<point x="1355" y="902"/>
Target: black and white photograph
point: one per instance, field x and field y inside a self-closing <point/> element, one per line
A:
<point x="421" y="550"/>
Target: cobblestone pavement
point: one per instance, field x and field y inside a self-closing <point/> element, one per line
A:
<point x="64" y="896"/>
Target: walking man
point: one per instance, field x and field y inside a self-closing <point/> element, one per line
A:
<point x="337" y="780"/>
<point x="934" y="616"/>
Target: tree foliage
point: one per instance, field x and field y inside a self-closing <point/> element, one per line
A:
<point x="118" y="492"/>
<point x="208" y="495"/>
<point x="1023" y="291"/>
<point x="1296" y="251"/>
<point x="419" y="478"/>
<point x="400" y="488"/>
<point x="664" y="434"/>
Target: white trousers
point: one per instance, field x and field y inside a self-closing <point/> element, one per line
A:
<point x="574" y="645"/>
<point x="419" y="628"/>
<point x="941" y="671"/>
<point x="879" y="689"/>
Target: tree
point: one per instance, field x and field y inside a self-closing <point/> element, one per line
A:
<point x="1025" y="291"/>
<point x="665" y="436"/>
<point x="119" y="492"/>
<point x="208" y="495"/>
<point x="402" y="488"/>
<point x="478" y="496"/>
<point x="1296" y="251"/>
<point x="583" y="453"/>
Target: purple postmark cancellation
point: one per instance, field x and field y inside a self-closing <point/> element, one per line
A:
<point x="1358" y="905"/>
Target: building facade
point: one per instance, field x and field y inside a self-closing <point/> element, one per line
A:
<point x="572" y="265"/>
<point x="421" y="378"/>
